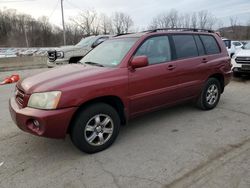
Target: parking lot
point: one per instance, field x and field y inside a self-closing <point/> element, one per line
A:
<point x="176" y="147"/>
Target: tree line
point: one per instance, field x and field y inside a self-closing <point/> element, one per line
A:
<point x="22" y="30"/>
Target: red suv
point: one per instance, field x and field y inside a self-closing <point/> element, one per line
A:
<point x="124" y="77"/>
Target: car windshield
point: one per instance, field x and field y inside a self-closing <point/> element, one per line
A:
<point x="86" y="41"/>
<point x="110" y="53"/>
<point x="247" y="46"/>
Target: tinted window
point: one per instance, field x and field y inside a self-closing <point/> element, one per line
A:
<point x="157" y="49"/>
<point x="247" y="46"/>
<point x="236" y="43"/>
<point x="227" y="43"/>
<point x="199" y="45"/>
<point x="210" y="44"/>
<point x="185" y="46"/>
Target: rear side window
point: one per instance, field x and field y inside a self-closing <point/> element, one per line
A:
<point x="210" y="44"/>
<point x="199" y="45"/>
<point x="185" y="46"/>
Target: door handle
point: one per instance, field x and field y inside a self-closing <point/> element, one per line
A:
<point x="204" y="60"/>
<point x="171" y="67"/>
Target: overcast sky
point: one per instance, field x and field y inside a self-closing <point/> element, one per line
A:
<point x="141" y="11"/>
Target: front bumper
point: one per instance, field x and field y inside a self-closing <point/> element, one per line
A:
<point x="57" y="62"/>
<point x="241" y="70"/>
<point x="53" y="123"/>
<point x="239" y="67"/>
<point x="227" y="77"/>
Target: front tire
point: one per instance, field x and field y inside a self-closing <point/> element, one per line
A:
<point x="95" y="128"/>
<point x="210" y="95"/>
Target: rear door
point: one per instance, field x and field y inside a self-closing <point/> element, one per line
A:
<point x="189" y="60"/>
<point x="153" y="86"/>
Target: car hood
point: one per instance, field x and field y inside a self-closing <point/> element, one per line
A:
<point x="62" y="78"/>
<point x="70" y="48"/>
<point x="243" y="53"/>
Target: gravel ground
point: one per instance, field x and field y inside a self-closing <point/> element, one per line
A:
<point x="176" y="147"/>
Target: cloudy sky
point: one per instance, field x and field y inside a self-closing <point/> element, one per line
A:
<point x="142" y="11"/>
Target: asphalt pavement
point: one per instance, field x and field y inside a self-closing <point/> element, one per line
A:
<point x="180" y="146"/>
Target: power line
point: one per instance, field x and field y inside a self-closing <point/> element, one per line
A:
<point x="54" y="9"/>
<point x="73" y="5"/>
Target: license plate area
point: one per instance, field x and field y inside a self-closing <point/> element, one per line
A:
<point x="245" y="67"/>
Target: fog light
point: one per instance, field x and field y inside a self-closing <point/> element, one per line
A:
<point x="36" y="123"/>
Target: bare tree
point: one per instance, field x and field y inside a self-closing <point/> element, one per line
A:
<point x="105" y="24"/>
<point x="122" y="22"/>
<point x="88" y="22"/>
<point x="233" y="21"/>
<point x="173" y="18"/>
<point x="160" y="21"/>
<point x="128" y="23"/>
<point x="186" y="19"/>
<point x="233" y="24"/>
<point x="248" y="30"/>
<point x="194" y="20"/>
<point x="202" y="19"/>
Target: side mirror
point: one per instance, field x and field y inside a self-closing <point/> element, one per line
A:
<point x="139" y="61"/>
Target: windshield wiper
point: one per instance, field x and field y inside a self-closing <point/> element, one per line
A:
<point x="93" y="63"/>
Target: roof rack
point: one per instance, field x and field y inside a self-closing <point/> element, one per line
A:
<point x="180" y="29"/>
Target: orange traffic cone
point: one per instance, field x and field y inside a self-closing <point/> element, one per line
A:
<point x="11" y="79"/>
<point x="14" y="78"/>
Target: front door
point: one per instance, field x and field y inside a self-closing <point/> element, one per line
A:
<point x="153" y="86"/>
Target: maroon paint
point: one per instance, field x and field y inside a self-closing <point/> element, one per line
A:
<point x="140" y="90"/>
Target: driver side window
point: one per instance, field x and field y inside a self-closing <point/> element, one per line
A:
<point x="157" y="49"/>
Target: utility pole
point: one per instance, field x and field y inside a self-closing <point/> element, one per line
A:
<point x="25" y="34"/>
<point x="64" y="36"/>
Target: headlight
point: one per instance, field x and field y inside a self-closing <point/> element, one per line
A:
<point x="46" y="100"/>
<point x="59" y="54"/>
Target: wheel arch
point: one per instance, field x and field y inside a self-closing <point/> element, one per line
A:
<point x="220" y="78"/>
<point x="113" y="101"/>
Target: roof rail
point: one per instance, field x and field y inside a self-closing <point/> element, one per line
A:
<point x="180" y="29"/>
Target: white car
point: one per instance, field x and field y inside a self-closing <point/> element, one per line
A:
<point x="232" y="46"/>
<point x="73" y="54"/>
<point x="241" y="61"/>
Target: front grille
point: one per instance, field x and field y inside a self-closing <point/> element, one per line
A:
<point x="52" y="55"/>
<point x="19" y="97"/>
<point x="243" y="60"/>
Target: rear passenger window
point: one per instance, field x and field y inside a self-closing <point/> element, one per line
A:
<point x="210" y="44"/>
<point x="185" y="46"/>
<point x="157" y="49"/>
<point x="199" y="45"/>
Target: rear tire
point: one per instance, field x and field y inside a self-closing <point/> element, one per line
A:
<point x="210" y="95"/>
<point x="95" y="128"/>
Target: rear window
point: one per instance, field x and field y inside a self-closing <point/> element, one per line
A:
<point x="185" y="46"/>
<point x="210" y="44"/>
